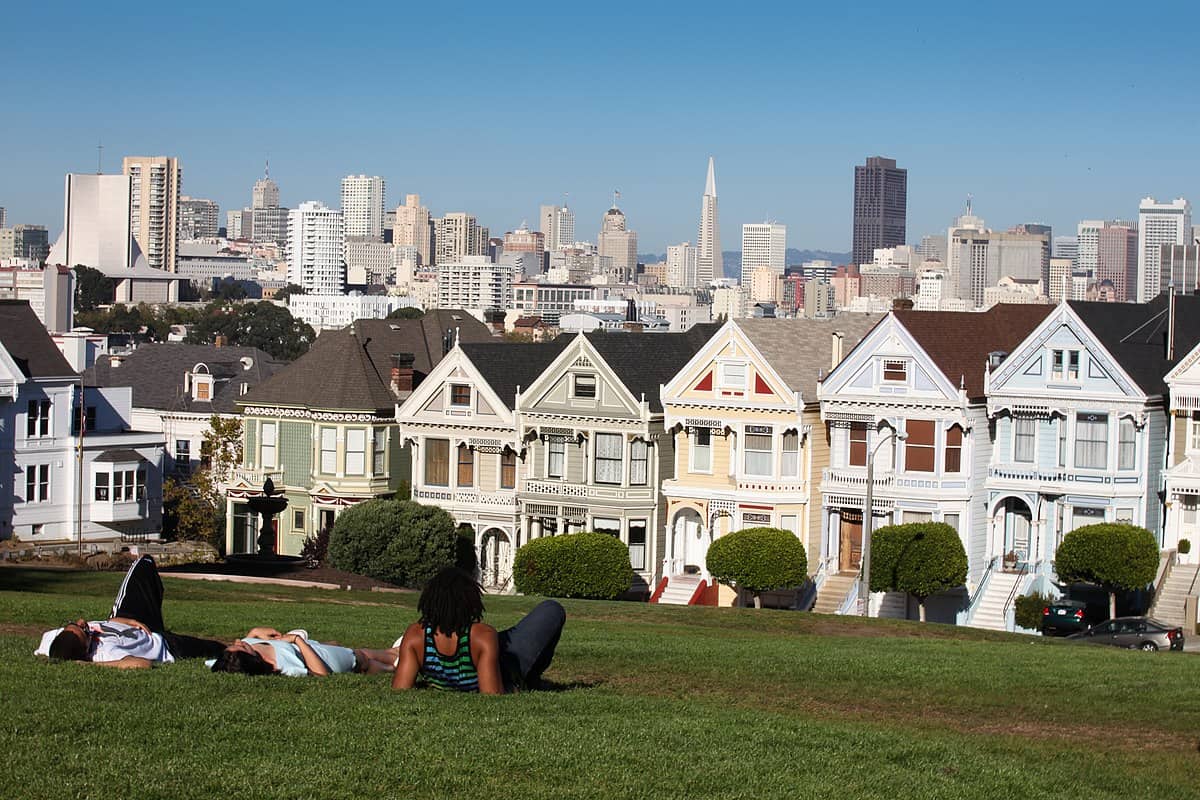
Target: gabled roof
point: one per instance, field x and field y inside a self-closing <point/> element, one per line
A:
<point x="350" y="368"/>
<point x="959" y="341"/>
<point x="1135" y="335"/>
<point x="801" y="350"/>
<point x="645" y="362"/>
<point x="28" y="342"/>
<point x="507" y="366"/>
<point x="156" y="374"/>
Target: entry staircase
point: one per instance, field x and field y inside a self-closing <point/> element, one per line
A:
<point x="680" y="589"/>
<point x="833" y="593"/>
<point x="893" y="606"/>
<point x="1180" y="583"/>
<point x="991" y="613"/>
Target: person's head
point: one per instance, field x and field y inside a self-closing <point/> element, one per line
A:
<point x="241" y="657"/>
<point x="451" y="602"/>
<point x="73" y="643"/>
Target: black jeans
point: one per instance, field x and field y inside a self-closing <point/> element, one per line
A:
<point x="527" y="648"/>
<point x="140" y="598"/>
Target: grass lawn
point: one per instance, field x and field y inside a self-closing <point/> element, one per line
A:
<point x="657" y="702"/>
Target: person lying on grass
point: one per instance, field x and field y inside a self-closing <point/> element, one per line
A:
<point x="266" y="651"/>
<point x="451" y="648"/>
<point x="134" y="635"/>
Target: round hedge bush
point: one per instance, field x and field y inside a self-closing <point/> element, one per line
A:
<point x="758" y="560"/>
<point x="1028" y="610"/>
<point x="397" y="541"/>
<point x="1114" y="555"/>
<point x="589" y="565"/>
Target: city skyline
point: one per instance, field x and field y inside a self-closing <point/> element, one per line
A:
<point x="1038" y="161"/>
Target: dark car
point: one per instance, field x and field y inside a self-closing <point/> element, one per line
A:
<point x="1063" y="618"/>
<point x="1135" y="633"/>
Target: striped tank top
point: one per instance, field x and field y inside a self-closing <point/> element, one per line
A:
<point x="454" y="673"/>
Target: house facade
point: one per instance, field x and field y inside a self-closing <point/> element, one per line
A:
<point x="468" y="456"/>
<point x="911" y="396"/>
<point x="323" y="429"/>
<point x="742" y="414"/>
<point x="1181" y="478"/>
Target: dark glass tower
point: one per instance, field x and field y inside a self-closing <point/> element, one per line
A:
<point x="880" y="207"/>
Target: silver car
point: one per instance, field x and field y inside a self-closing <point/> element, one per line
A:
<point x="1135" y="633"/>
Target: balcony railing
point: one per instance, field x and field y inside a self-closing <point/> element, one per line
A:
<point x="505" y="499"/>
<point x="256" y="476"/>
<point x="855" y="480"/>
<point x="554" y="488"/>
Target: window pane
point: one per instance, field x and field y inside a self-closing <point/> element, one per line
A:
<point x="791" y="454"/>
<point x="460" y="395"/>
<point x="556" y="461"/>
<point x="758" y="453"/>
<point x="1024" y="435"/>
<point x="918" y="449"/>
<point x="609" y="450"/>
<point x="733" y="376"/>
<point x="356" y="451"/>
<point x="702" y="450"/>
<point x="1127" y="446"/>
<point x="1091" y="441"/>
<point x="508" y="469"/>
<point x="858" y="444"/>
<point x="379" y="451"/>
<point x="638" y="463"/>
<point x="637" y="543"/>
<point x="437" y="462"/>
<point x="466" y="466"/>
<point x="102" y="486"/>
<point x="328" y="450"/>
<point x="954" y="438"/>
<point x="585" y="386"/>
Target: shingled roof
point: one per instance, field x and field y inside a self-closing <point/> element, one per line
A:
<point x="156" y="374"/>
<point x="1136" y="335"/>
<point x="801" y="350"/>
<point x="350" y="369"/>
<point x="646" y="361"/>
<point x="508" y="366"/>
<point x="959" y="341"/>
<point x="29" y="344"/>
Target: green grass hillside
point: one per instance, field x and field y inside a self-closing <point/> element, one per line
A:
<point x="656" y="702"/>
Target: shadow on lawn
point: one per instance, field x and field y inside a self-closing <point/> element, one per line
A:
<point x="567" y="686"/>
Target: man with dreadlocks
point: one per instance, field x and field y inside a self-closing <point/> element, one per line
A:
<point x="450" y="647"/>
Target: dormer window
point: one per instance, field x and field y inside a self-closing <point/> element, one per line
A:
<point x="202" y="383"/>
<point x="585" y="387"/>
<point x="895" y="371"/>
<point x="460" y="395"/>
<point x="1064" y="365"/>
<point x="733" y="375"/>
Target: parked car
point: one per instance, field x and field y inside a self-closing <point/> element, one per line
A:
<point x="1064" y="617"/>
<point x="1135" y="633"/>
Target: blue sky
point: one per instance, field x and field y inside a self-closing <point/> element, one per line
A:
<point x="1045" y="112"/>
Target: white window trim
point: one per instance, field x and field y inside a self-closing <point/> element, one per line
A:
<point x="274" y="445"/>
<point x="773" y="455"/>
<point x="546" y="462"/>
<point x="1066" y="376"/>
<point x="692" y="455"/>
<point x="1033" y="460"/>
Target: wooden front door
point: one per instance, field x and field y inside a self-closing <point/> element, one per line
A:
<point x="850" y="547"/>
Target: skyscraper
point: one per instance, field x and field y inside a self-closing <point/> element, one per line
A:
<point x="457" y="235"/>
<point x="764" y="244"/>
<point x="362" y="206"/>
<point x="618" y="243"/>
<point x="315" y="245"/>
<point x="266" y="191"/>
<point x="880" y="207"/>
<point x="412" y="228"/>
<point x="1117" y="259"/>
<point x="1159" y="224"/>
<point x="681" y="266"/>
<point x="709" y="265"/>
<point x="154" y="206"/>
<point x="197" y="218"/>
<point x="557" y="224"/>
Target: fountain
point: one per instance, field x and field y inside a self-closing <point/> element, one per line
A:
<point x="267" y="506"/>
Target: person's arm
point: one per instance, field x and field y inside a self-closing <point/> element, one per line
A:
<point x="312" y="661"/>
<point x="263" y="633"/>
<point x="485" y="653"/>
<point x="128" y="662"/>
<point x="405" y="676"/>
<point x="130" y="621"/>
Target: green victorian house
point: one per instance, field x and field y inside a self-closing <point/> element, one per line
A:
<point x="324" y="430"/>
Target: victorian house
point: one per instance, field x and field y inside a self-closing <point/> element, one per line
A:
<point x="742" y="413"/>
<point x="596" y="451"/>
<point x="75" y="471"/>
<point x="468" y="456"/>
<point x="1079" y="411"/>
<point x="907" y="410"/>
<point x="323" y="429"/>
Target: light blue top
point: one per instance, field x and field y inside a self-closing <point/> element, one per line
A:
<point x="290" y="662"/>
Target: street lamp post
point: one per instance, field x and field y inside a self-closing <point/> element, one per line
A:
<point x="864" y="586"/>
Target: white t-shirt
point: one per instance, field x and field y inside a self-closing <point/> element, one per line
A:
<point x="112" y="641"/>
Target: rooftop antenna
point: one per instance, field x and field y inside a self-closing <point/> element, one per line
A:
<point x="565" y="196"/>
<point x="616" y="197"/>
<point x="267" y="171"/>
<point x="99" y="159"/>
<point x="970" y="198"/>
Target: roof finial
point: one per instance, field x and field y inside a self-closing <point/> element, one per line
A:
<point x="267" y="171"/>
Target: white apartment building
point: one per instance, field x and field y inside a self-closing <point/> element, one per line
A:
<point x="474" y="284"/>
<point x="1159" y="224"/>
<point x="315" y="242"/>
<point x="49" y="291"/>
<point x="334" y="311"/>
<point x="456" y="236"/>
<point x="154" y="184"/>
<point x="681" y="266"/>
<point x="369" y="260"/>
<point x="764" y="244"/>
<point x="198" y="218"/>
<point x="557" y="224"/>
<point x="362" y="206"/>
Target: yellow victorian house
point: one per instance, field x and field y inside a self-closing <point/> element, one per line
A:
<point x="749" y="442"/>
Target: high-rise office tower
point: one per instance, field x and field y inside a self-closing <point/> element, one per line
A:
<point x="266" y="191"/>
<point x="557" y="224"/>
<point x="1065" y="247"/>
<point x="30" y="242"/>
<point x="458" y="235"/>
<point x="1037" y="229"/>
<point x="3" y="218"/>
<point x="523" y="240"/>
<point x="198" y="218"/>
<point x="1117" y="259"/>
<point x="315" y="249"/>
<point x="764" y="244"/>
<point x="619" y="243"/>
<point x="1159" y="224"/>
<point x="362" y="206"/>
<point x="154" y="206"/>
<point x="96" y="224"/>
<point x="709" y="264"/>
<point x="1180" y="268"/>
<point x="681" y="266"/>
<point x="412" y="228"/>
<point x="977" y="258"/>
<point x="880" y="207"/>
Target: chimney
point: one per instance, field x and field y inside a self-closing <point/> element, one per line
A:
<point x="996" y="358"/>
<point x="836" y="353"/>
<point x="402" y="373"/>
<point x="631" y="311"/>
<point x="220" y="340"/>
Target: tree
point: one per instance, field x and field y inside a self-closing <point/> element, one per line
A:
<point x="758" y="560"/>
<point x="221" y="449"/>
<point x="594" y="566"/>
<point x="921" y="558"/>
<point x="264" y="325"/>
<point x="188" y="517"/>
<point x="1113" y="555"/>
<point x="92" y="288"/>
<point x="287" y="291"/>
<point x="398" y="541"/>
<point x="408" y="312"/>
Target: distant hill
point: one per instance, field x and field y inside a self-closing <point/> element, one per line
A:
<point x="734" y="257"/>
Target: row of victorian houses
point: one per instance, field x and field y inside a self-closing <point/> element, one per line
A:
<point x="1014" y="426"/>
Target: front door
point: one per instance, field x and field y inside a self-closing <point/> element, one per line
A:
<point x="326" y="519"/>
<point x="850" y="545"/>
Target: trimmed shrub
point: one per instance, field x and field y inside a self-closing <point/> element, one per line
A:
<point x="397" y="541"/>
<point x="594" y="566"/>
<point x="920" y="558"/>
<point x="315" y="551"/>
<point x="758" y="560"/>
<point x="1185" y="547"/>
<point x="1028" y="610"/>
<point x="1113" y="555"/>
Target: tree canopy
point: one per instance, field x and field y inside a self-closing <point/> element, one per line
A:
<point x="920" y="558"/>
<point x="758" y="560"/>
<point x="92" y="288"/>
<point x="263" y="325"/>
<point x="407" y="312"/>
<point x="1113" y="555"/>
